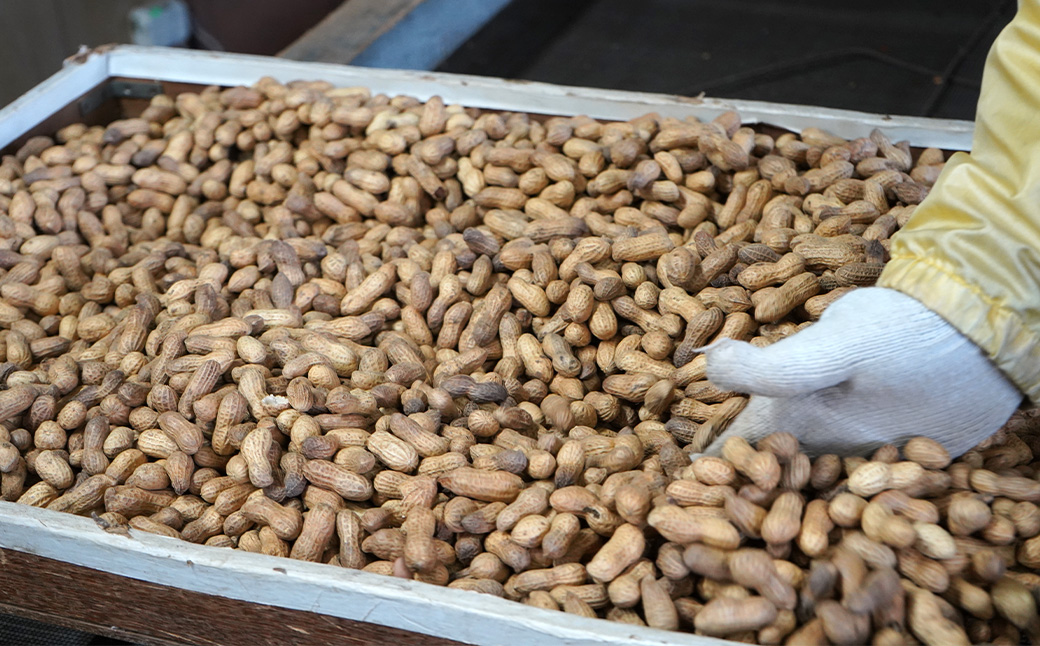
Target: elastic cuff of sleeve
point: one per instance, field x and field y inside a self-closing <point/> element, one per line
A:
<point x="1012" y="345"/>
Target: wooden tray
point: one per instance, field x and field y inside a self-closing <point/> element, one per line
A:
<point x="152" y="589"/>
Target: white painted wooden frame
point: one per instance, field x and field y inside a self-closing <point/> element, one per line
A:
<point x="188" y="66"/>
<point x="461" y="615"/>
<point x="350" y="594"/>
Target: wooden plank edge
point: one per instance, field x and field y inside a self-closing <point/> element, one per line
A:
<point x="50" y="96"/>
<point x="429" y="34"/>
<point x="531" y="96"/>
<point x="481" y="92"/>
<point x="101" y="603"/>
<point x="63" y="620"/>
<point x="348" y="30"/>
<point x="449" y="613"/>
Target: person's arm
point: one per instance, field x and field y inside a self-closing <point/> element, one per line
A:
<point x="971" y="251"/>
<point x="949" y="341"/>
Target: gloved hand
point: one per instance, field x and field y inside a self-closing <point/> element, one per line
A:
<point x="877" y="368"/>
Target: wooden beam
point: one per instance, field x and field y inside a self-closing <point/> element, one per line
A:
<point x="54" y="592"/>
<point x="349" y="30"/>
<point x="430" y="34"/>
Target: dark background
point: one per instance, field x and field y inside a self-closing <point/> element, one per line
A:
<point x="911" y="57"/>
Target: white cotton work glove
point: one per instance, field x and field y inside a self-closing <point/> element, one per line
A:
<point x="878" y="368"/>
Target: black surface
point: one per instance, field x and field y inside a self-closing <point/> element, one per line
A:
<point x="18" y="631"/>
<point x="516" y="36"/>
<point x="913" y="57"/>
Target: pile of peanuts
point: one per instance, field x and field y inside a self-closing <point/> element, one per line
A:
<point x="460" y="347"/>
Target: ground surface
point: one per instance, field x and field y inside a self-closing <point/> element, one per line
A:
<point x="888" y="56"/>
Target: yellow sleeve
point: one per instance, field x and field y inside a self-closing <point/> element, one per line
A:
<point x="971" y="251"/>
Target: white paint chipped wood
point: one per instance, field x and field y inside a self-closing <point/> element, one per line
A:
<point x="188" y="66"/>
